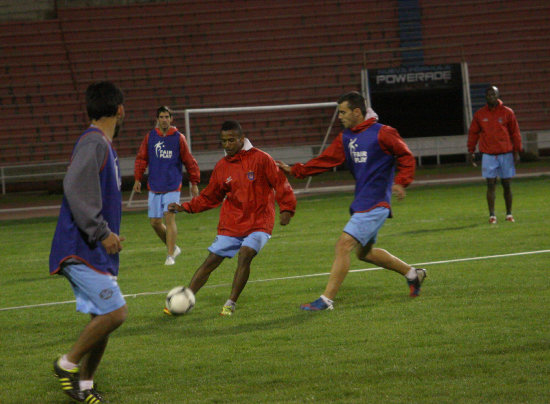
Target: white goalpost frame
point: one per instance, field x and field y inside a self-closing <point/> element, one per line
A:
<point x="264" y="108"/>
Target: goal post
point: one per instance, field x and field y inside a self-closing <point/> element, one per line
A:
<point x="287" y="127"/>
<point x="264" y="108"/>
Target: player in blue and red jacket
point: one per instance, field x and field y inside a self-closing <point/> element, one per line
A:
<point x="86" y="242"/>
<point x="371" y="151"/>
<point x="165" y="151"/>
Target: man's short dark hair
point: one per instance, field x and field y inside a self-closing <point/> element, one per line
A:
<point x="162" y="109"/>
<point x="232" y="125"/>
<point x="103" y="99"/>
<point x="355" y="100"/>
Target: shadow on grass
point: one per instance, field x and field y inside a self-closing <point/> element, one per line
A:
<point x="435" y="231"/>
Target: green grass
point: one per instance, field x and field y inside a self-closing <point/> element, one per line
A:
<point x="478" y="334"/>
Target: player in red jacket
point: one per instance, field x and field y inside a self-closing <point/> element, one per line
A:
<point x="497" y="130"/>
<point x="243" y="182"/>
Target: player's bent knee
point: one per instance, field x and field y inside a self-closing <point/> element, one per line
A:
<point x="119" y="316"/>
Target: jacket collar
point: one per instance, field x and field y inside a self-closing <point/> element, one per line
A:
<point x="171" y="130"/>
<point x="364" y="125"/>
<point x="247" y="145"/>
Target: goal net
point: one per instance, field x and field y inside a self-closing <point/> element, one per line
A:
<point x="290" y="133"/>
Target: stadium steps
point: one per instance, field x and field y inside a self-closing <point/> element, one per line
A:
<point x="504" y="43"/>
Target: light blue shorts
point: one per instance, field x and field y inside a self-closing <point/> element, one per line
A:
<point x="158" y="203"/>
<point x="498" y="165"/>
<point x="95" y="293"/>
<point x="364" y="226"/>
<point x="226" y="246"/>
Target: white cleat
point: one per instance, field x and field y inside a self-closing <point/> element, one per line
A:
<point x="169" y="260"/>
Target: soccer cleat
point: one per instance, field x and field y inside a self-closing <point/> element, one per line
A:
<point x="177" y="251"/>
<point x="169" y="260"/>
<point x="414" y="285"/>
<point x="492" y="219"/>
<point x="317" y="305"/>
<point x="167" y="312"/>
<point x="510" y="218"/>
<point x="92" y="396"/>
<point x="69" y="381"/>
<point x="227" y="311"/>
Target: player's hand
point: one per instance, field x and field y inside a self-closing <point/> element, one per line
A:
<point x="175" y="207"/>
<point x="399" y="191"/>
<point x="283" y="166"/>
<point x="516" y="157"/>
<point x="137" y="187"/>
<point x="194" y="190"/>
<point x="285" y="217"/>
<point x="472" y="159"/>
<point x="112" y="243"/>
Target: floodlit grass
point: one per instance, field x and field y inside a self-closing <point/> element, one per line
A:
<point x="478" y="334"/>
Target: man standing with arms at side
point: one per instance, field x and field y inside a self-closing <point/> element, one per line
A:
<point x="86" y="243"/>
<point x="165" y="151"/>
<point x="496" y="128"/>
<point x="371" y="151"/>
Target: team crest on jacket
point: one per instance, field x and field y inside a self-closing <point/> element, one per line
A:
<point x="250" y="175"/>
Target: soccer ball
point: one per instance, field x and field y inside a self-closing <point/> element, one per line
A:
<point x="180" y="300"/>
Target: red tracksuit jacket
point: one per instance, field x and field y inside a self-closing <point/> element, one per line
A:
<point x="245" y="183"/>
<point x="497" y="131"/>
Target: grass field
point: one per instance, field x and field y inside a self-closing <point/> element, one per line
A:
<point x="478" y="334"/>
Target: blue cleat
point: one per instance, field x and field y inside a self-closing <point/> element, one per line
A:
<point x="317" y="305"/>
<point x="414" y="286"/>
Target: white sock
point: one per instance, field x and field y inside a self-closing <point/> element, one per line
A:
<point x="326" y="300"/>
<point x="411" y="275"/>
<point x="86" y="384"/>
<point x="65" y="364"/>
<point x="230" y="303"/>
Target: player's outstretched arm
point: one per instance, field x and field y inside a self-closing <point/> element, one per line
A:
<point x="175" y="207"/>
<point x="283" y="166"/>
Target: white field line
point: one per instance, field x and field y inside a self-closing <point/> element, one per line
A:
<point x="134" y="295"/>
<point x="328" y="189"/>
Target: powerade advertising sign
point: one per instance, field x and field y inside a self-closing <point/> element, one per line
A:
<point x="415" y="78"/>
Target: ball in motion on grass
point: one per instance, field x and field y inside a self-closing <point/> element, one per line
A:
<point x="180" y="300"/>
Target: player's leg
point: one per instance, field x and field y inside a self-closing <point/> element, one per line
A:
<point x="201" y="275"/>
<point x="91" y="289"/>
<point x="156" y="215"/>
<point x="159" y="228"/>
<point x="95" y="332"/>
<point x="171" y="229"/>
<point x="341" y="264"/>
<point x="171" y="232"/>
<point x="489" y="170"/>
<point x="90" y="361"/>
<point x="507" y="190"/>
<point x="340" y="268"/>
<point x="507" y="171"/>
<point x="246" y="255"/>
<point x="250" y="246"/>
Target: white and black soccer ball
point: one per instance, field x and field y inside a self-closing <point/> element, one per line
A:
<point x="180" y="300"/>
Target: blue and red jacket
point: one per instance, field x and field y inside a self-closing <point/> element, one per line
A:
<point x="70" y="243"/>
<point x="371" y="151"/>
<point x="165" y="155"/>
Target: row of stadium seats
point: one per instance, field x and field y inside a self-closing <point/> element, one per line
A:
<point x="190" y="54"/>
